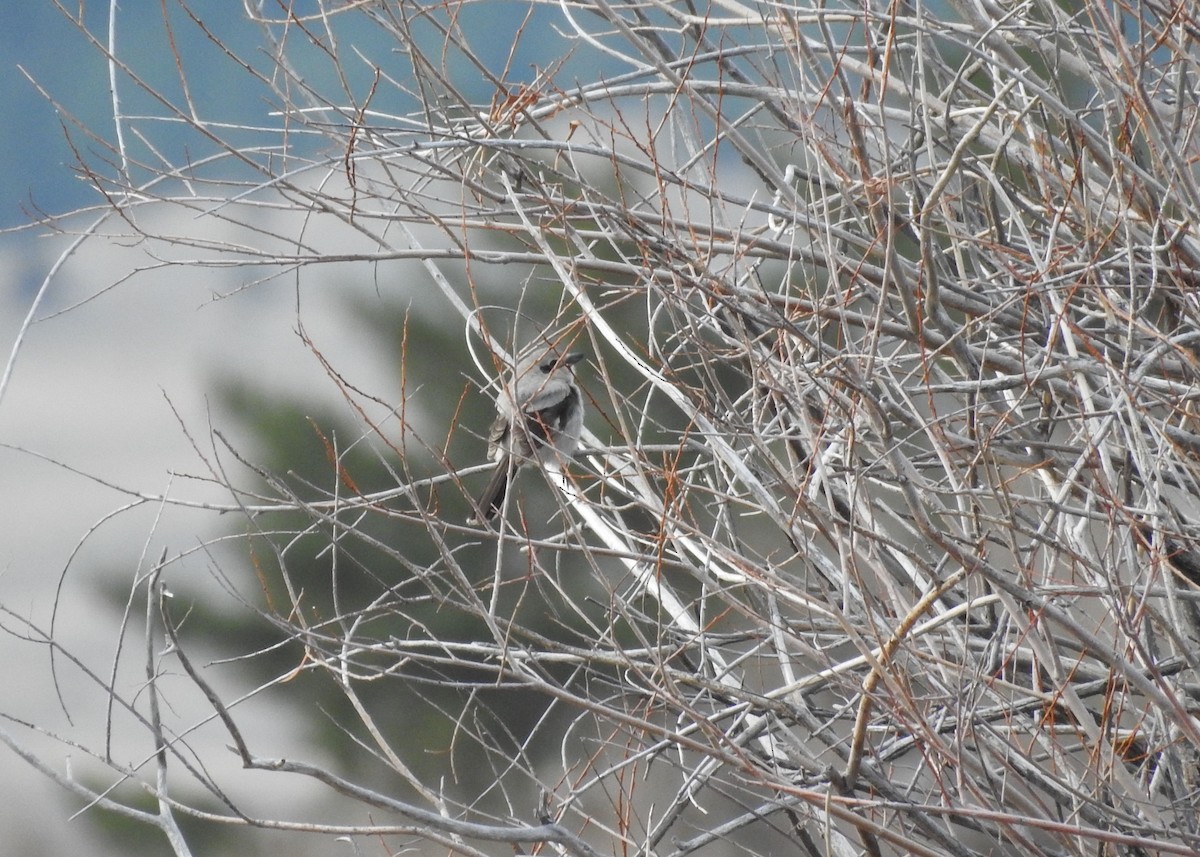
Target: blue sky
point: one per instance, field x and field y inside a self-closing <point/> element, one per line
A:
<point x="39" y="166"/>
<point x="37" y="37"/>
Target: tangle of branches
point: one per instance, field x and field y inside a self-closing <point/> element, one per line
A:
<point x="882" y="538"/>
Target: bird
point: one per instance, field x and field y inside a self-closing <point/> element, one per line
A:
<point x="539" y="417"/>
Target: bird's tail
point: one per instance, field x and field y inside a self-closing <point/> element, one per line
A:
<point x="492" y="498"/>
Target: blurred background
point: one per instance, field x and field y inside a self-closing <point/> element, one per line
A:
<point x="125" y="369"/>
<point x="127" y="366"/>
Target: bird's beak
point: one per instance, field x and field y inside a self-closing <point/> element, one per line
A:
<point x="572" y="358"/>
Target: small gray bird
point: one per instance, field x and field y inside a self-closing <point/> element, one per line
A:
<point x="539" y="419"/>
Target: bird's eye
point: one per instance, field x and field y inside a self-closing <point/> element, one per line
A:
<point x="548" y="367"/>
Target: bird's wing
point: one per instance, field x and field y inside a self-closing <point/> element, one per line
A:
<point x="498" y="436"/>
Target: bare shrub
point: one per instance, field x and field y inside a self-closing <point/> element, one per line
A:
<point x="881" y="539"/>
